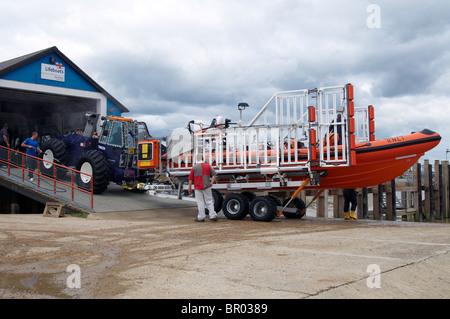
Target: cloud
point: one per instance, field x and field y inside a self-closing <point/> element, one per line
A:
<point x="172" y="61"/>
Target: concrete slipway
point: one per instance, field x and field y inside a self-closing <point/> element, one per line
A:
<point x="137" y="246"/>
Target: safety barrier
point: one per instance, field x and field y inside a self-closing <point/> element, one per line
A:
<point x="422" y="193"/>
<point x="295" y="130"/>
<point x="60" y="178"/>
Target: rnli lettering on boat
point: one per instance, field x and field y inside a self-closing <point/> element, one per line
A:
<point x="395" y="139"/>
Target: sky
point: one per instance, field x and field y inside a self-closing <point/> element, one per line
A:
<point x="173" y="61"/>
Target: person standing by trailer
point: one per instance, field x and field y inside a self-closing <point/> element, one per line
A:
<point x="350" y="198"/>
<point x="4" y="141"/>
<point x="32" y="148"/>
<point x="202" y="175"/>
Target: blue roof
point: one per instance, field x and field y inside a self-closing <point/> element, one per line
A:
<point x="28" y="68"/>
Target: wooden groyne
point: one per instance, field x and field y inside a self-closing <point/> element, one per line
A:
<point x="420" y="194"/>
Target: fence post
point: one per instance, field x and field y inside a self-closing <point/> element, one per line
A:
<point x="322" y="205"/>
<point x="427" y="186"/>
<point x="394" y="200"/>
<point x="431" y="191"/>
<point x="38" y="172"/>
<point x="389" y="200"/>
<point x="23" y="168"/>
<point x="365" y="203"/>
<point x="441" y="193"/>
<point x="446" y="179"/>
<point x="338" y="204"/>
<point x="419" y="210"/>
<point x="377" y="202"/>
<point x="435" y="188"/>
<point x="302" y="195"/>
<point x="9" y="162"/>
<point x="359" y="206"/>
<point x="362" y="203"/>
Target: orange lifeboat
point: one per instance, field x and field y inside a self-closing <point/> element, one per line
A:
<point x="305" y="144"/>
<point x="376" y="162"/>
<point x="380" y="161"/>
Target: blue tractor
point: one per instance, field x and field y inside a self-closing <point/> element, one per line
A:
<point x="108" y="157"/>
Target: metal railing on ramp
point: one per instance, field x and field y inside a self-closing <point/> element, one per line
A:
<point x="46" y="177"/>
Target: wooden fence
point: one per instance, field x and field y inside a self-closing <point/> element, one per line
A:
<point x="421" y="194"/>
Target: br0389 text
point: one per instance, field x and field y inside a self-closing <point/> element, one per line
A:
<point x="249" y="308"/>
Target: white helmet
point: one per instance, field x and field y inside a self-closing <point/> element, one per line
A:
<point x="220" y="120"/>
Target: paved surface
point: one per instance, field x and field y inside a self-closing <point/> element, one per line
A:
<point x="116" y="198"/>
<point x="160" y="252"/>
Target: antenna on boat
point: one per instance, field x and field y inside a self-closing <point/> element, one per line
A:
<point x="241" y="107"/>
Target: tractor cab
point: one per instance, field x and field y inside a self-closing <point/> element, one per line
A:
<point x="118" y="140"/>
<point x="122" y="132"/>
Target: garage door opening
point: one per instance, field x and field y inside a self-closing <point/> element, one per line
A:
<point x="48" y="114"/>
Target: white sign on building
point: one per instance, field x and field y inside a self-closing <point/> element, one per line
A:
<point x="53" y="72"/>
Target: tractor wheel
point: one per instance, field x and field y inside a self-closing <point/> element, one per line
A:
<point x="54" y="151"/>
<point x="295" y="203"/>
<point x="263" y="208"/>
<point x="235" y="206"/>
<point x="93" y="163"/>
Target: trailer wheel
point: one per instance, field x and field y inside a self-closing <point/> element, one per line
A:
<point x="275" y="199"/>
<point x="295" y="203"/>
<point x="53" y="150"/>
<point x="235" y="206"/>
<point x="218" y="200"/>
<point x="249" y="195"/>
<point x="93" y="163"/>
<point x="263" y="208"/>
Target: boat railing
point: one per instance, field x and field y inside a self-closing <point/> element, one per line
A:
<point x="289" y="107"/>
<point x="295" y="130"/>
<point x="257" y="148"/>
<point x="364" y="124"/>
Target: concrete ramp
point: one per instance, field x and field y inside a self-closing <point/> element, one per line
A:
<point x="114" y="199"/>
<point x="45" y="192"/>
<point x="118" y="199"/>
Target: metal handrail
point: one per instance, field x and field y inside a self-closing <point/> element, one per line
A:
<point x="41" y="175"/>
<point x="304" y="128"/>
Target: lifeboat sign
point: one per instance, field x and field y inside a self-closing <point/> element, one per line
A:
<point x="395" y="139"/>
<point x="53" y="72"/>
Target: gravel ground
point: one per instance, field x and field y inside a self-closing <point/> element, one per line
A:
<point x="162" y="253"/>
